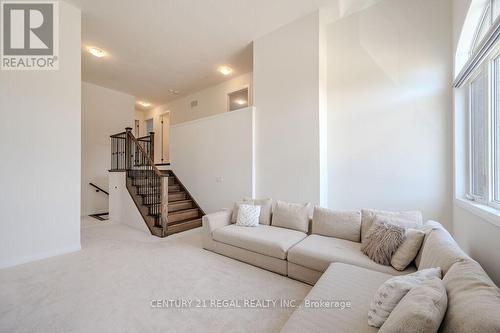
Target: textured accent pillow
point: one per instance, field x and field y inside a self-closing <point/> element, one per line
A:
<point x="337" y="223"/>
<point x="407" y="251"/>
<point x="248" y="216"/>
<point x="266" y="207"/>
<point x="382" y="241"/>
<point x="409" y="219"/>
<point x="291" y="216"/>
<point x="392" y="291"/>
<point x="420" y="311"/>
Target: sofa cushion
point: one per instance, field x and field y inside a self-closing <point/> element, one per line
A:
<point x="265" y="209"/>
<point x="382" y="241"/>
<point x="408" y="219"/>
<point x="393" y="290"/>
<point x="317" y="252"/>
<point x="440" y="250"/>
<point x="407" y="252"/>
<point x="426" y="228"/>
<point x="263" y="239"/>
<point x="420" y="311"/>
<point x="291" y="216"/>
<point x="337" y="223"/>
<point x="340" y="282"/>
<point x="473" y="300"/>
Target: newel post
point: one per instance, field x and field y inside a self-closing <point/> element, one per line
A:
<point x="152" y="145"/>
<point x="164" y="204"/>
<point x="128" y="152"/>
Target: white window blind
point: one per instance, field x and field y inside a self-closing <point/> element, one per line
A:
<point x="478" y="138"/>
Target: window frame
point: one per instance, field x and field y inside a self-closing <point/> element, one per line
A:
<point x="489" y="65"/>
<point x="481" y="70"/>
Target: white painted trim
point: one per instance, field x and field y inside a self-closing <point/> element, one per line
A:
<point x="487" y="213"/>
<point x="223" y="114"/>
<point x="40" y="256"/>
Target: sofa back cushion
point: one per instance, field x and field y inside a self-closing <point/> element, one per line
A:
<point x="473" y="300"/>
<point x="406" y="253"/>
<point x="292" y="216"/>
<point x="427" y="228"/>
<point x="421" y="310"/>
<point x="440" y="250"/>
<point x="344" y="224"/>
<point x="265" y="209"/>
<point x="409" y="219"/>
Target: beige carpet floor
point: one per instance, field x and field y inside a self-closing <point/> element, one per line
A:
<point x="110" y="284"/>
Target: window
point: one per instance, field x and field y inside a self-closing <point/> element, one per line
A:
<point x="238" y="99"/>
<point x="496" y="130"/>
<point x="478" y="102"/>
<point x="484" y="132"/>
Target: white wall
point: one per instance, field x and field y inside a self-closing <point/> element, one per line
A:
<point x="122" y="208"/>
<point x="389" y="108"/>
<point x="218" y="146"/>
<point x="211" y="101"/>
<point x="477" y="231"/>
<point x="287" y="99"/>
<point x="40" y="115"/>
<point x="104" y="112"/>
<point x="156" y="115"/>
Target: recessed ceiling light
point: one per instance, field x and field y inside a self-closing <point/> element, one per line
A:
<point x="97" y="52"/>
<point x="225" y="70"/>
<point x="173" y="91"/>
<point x="240" y="101"/>
<point x="145" y="104"/>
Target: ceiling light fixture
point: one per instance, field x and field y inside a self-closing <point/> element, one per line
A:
<point x="97" y="52"/>
<point x="144" y="104"/>
<point x="240" y="102"/>
<point x="225" y="70"/>
<point x="173" y="91"/>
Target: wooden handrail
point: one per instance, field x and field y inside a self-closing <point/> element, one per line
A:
<point x="148" y="159"/>
<point x="118" y="135"/>
<point x="98" y="188"/>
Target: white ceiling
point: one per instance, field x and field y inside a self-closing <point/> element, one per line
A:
<point x="157" y="45"/>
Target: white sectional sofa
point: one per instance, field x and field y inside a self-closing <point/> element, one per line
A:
<point x="340" y="271"/>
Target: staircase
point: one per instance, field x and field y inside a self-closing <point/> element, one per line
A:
<point x="164" y="203"/>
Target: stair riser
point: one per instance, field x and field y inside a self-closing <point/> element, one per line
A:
<point x="172" y="188"/>
<point x="183" y="216"/>
<point x="181" y="206"/>
<point x="177" y="196"/>
<point x="183" y="226"/>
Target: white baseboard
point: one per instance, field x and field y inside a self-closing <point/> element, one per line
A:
<point x="39" y="256"/>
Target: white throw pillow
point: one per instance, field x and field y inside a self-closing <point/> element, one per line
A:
<point x="266" y="207"/>
<point x="248" y="216"/>
<point x="393" y="290"/>
<point x="407" y="251"/>
<point x="292" y="216"/>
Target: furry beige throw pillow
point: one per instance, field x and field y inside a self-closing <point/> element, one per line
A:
<point x="382" y="241"/>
